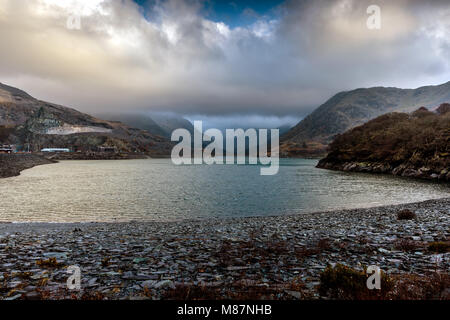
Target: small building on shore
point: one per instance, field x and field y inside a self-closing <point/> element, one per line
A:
<point x="55" y="150"/>
<point x="6" y="148"/>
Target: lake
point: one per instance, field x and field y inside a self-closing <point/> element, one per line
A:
<point x="157" y="190"/>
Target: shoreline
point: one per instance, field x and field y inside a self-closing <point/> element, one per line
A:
<point x="11" y="165"/>
<point x="284" y="255"/>
<point x="226" y="218"/>
<point x="422" y="172"/>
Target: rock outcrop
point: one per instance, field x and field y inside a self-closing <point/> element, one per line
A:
<point x="349" y="109"/>
<point x="409" y="145"/>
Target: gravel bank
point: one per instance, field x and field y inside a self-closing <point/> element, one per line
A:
<point x="440" y="175"/>
<point x="12" y="164"/>
<point x="95" y="156"/>
<point x="145" y="260"/>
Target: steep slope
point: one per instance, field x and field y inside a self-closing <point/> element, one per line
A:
<point x="162" y="124"/>
<point x="413" y="145"/>
<point x="349" y="109"/>
<point x="140" y="121"/>
<point x="41" y="124"/>
<point x="170" y="122"/>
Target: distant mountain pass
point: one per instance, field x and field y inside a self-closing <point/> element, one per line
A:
<point x="170" y="122"/>
<point x="349" y="109"/>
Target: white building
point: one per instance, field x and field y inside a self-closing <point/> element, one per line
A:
<point x="55" y="150"/>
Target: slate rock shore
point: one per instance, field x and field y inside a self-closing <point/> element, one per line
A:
<point x="402" y="170"/>
<point x="96" y="156"/>
<point x="158" y="260"/>
<point x="12" y="164"/>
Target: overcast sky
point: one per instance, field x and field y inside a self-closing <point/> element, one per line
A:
<point x="241" y="59"/>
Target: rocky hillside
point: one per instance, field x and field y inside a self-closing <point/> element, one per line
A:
<point x="411" y="145"/>
<point x="25" y="121"/>
<point x="349" y="109"/>
<point x="157" y="123"/>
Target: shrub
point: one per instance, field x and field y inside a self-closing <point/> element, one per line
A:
<point x="342" y="282"/>
<point x="406" y="215"/>
<point x="439" y="247"/>
<point x="407" y="245"/>
<point x="49" y="263"/>
<point x="236" y="291"/>
<point x="421" y="287"/>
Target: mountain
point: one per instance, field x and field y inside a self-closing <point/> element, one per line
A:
<point x="157" y="123"/>
<point x="349" y="109"/>
<point x="284" y="129"/>
<point x="412" y="145"/>
<point x="140" y="121"/>
<point x="29" y="121"/>
<point x="170" y="122"/>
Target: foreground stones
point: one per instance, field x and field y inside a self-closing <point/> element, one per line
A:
<point x="283" y="255"/>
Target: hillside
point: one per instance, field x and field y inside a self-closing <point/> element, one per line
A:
<point x="349" y="109"/>
<point x="412" y="145"/>
<point x="25" y="121"/>
<point x="161" y="124"/>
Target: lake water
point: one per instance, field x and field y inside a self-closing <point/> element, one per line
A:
<point x="157" y="190"/>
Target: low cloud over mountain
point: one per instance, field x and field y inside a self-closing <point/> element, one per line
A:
<point x="171" y="56"/>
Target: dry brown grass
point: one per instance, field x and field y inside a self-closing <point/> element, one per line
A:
<point x="49" y="263"/>
<point x="344" y="283"/>
<point x="407" y="245"/>
<point x="435" y="286"/>
<point x="240" y="290"/>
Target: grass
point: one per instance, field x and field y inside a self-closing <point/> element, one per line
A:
<point x="415" y="287"/>
<point x="240" y="290"/>
<point x="49" y="263"/>
<point x="345" y="283"/>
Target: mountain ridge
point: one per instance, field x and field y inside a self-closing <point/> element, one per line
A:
<point x="348" y="109"/>
<point x="408" y="144"/>
<point x="40" y="124"/>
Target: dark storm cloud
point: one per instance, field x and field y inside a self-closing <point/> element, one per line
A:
<point x="175" y="59"/>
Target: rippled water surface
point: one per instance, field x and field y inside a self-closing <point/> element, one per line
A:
<point x="157" y="190"/>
